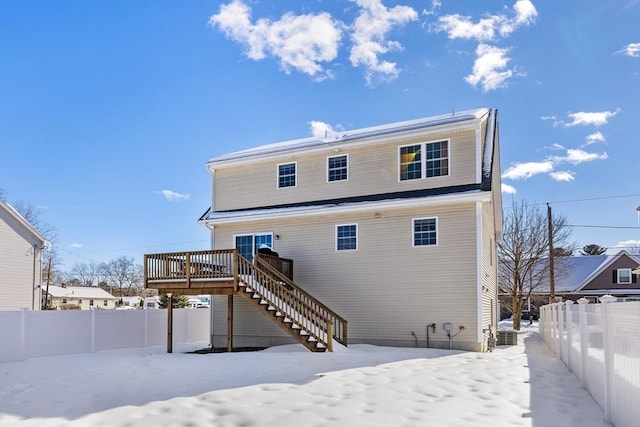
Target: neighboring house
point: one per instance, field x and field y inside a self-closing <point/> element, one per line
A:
<point x="394" y="227"/>
<point x="588" y="276"/>
<point x="21" y="248"/>
<point x="80" y="298"/>
<point x="133" y="302"/>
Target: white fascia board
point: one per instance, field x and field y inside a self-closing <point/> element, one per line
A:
<point x="26" y="224"/>
<point x="296" y="212"/>
<point x="336" y="147"/>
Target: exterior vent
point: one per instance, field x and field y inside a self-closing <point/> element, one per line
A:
<point x="507" y="338"/>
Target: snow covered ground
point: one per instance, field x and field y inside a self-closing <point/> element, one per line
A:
<point x="363" y="385"/>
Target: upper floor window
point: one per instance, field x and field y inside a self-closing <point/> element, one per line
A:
<point x="425" y="232"/>
<point x="347" y="237"/>
<point x="623" y="276"/>
<point x="337" y="168"/>
<point x="287" y="175"/>
<point x="425" y="160"/>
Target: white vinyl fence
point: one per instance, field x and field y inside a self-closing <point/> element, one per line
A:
<point x="600" y="343"/>
<point x="26" y="334"/>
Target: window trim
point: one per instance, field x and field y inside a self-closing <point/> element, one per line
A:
<point x="618" y="281"/>
<point x="295" y="175"/>
<point x="423" y="160"/>
<point x="346" y="156"/>
<point x="413" y="231"/>
<point x="355" y="224"/>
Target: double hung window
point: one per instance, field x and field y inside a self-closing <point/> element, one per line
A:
<point x="425" y="232"/>
<point x="623" y="276"/>
<point x="347" y="237"/>
<point x="287" y="175"/>
<point x="426" y="160"/>
<point x="337" y="168"/>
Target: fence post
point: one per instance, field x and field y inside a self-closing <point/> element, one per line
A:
<point x="584" y="339"/>
<point x="568" y="304"/>
<point x="562" y="331"/>
<point x="607" y="340"/>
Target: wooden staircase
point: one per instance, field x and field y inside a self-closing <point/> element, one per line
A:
<point x="301" y="315"/>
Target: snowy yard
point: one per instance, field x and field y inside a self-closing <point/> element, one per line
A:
<point x="363" y="385"/>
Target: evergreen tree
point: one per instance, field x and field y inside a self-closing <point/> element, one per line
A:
<point x="593" y="249"/>
<point x="179" y="301"/>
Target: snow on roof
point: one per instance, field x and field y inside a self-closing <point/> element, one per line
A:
<point x="454" y="117"/>
<point x="79" y="292"/>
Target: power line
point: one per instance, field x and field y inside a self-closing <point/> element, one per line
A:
<point x="603" y="226"/>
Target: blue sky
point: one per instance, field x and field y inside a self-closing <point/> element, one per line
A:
<point x="110" y="109"/>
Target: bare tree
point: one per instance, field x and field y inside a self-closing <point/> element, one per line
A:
<point x="87" y="274"/>
<point x="123" y="274"/>
<point x="523" y="253"/>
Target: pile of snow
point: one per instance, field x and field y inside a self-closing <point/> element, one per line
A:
<point x="361" y="385"/>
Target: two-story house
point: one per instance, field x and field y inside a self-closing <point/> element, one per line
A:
<point x="21" y="248"/>
<point x="394" y="227"/>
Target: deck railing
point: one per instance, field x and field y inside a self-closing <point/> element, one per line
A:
<point x="211" y="264"/>
<point x="307" y="302"/>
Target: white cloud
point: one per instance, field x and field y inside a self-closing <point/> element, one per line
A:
<point x="322" y="129"/>
<point x="594" y="119"/>
<point x="369" y="38"/>
<point x="489" y="68"/>
<point x="527" y="170"/>
<point x="593" y="138"/>
<point x="563" y="176"/>
<point x="576" y="155"/>
<point x="435" y="5"/>
<point x="172" y="196"/>
<point x="300" y="42"/>
<point x="508" y="189"/>
<point x="488" y="28"/>
<point x="632" y="50"/>
<point x="75" y="245"/>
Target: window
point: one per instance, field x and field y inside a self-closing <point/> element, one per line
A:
<point x="79" y="301"/>
<point x="337" y="168"/>
<point x="425" y="232"/>
<point x="104" y="302"/>
<point x="623" y="276"/>
<point x="287" y="175"/>
<point x="90" y="302"/>
<point x="415" y="165"/>
<point x="248" y="244"/>
<point x="346" y="237"/>
<point x="64" y="300"/>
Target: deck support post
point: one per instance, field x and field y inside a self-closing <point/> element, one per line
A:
<point x="169" y="323"/>
<point x="229" y="323"/>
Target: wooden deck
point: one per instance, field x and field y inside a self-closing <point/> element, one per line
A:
<point x="267" y="283"/>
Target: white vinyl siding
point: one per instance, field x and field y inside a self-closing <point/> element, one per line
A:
<point x="384" y="277"/>
<point x="371" y="170"/>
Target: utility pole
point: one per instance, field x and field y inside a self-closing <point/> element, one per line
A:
<point x="552" y="279"/>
